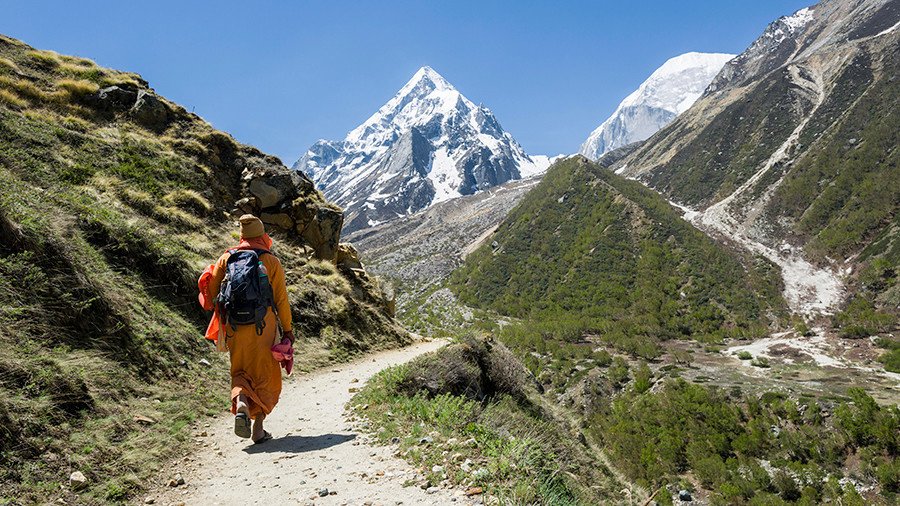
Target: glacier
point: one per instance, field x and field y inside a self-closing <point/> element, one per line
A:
<point x="670" y="90"/>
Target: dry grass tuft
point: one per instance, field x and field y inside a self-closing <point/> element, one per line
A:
<point x="122" y="79"/>
<point x="46" y="58"/>
<point x="76" y="123"/>
<point x="6" y="63"/>
<point x="42" y="115"/>
<point x="78" y="87"/>
<point x="188" y="200"/>
<point x="10" y="99"/>
<point x="325" y="274"/>
<point x="23" y="88"/>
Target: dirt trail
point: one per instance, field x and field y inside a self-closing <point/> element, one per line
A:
<point x="314" y="448"/>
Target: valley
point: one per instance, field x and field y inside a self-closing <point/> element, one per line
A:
<point x="544" y="279"/>
<point x="702" y="306"/>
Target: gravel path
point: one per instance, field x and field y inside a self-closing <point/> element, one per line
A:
<point x="315" y="448"/>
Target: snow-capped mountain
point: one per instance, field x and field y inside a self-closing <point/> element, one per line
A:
<point x="426" y="145"/>
<point x="670" y="90"/>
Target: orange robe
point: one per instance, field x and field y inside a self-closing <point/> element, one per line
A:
<point x="254" y="372"/>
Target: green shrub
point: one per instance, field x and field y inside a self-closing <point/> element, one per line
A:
<point x="744" y="355"/>
<point x="860" y="319"/>
<point x="762" y="362"/>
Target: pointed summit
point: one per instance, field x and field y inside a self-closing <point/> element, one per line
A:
<point x="427" y="144"/>
<point x="428" y="74"/>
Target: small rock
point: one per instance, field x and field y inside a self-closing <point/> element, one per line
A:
<point x="176" y="481"/>
<point x="149" y="500"/>
<point x="143" y="419"/>
<point x="437" y="469"/>
<point x="431" y="490"/>
<point x="205" y="362"/>
<point x="426" y="440"/>
<point x="474" y="491"/>
<point x="77" y="480"/>
<point x="685" y="495"/>
<point x="323" y="492"/>
<point x="395" y="440"/>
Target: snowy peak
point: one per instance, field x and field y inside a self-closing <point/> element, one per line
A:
<point x="670" y="90"/>
<point x="679" y="82"/>
<point x="427" y="144"/>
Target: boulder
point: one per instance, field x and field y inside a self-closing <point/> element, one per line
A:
<point x="348" y="256"/>
<point x="247" y="205"/>
<point x="266" y="195"/>
<point x="320" y="226"/>
<point x="289" y="184"/>
<point x="388" y="297"/>
<point x="272" y="184"/>
<point x="113" y="98"/>
<point x="280" y="220"/>
<point x="150" y="111"/>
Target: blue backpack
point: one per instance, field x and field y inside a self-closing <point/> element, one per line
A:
<point x="246" y="294"/>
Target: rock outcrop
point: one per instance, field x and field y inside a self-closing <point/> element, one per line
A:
<point x="288" y="201"/>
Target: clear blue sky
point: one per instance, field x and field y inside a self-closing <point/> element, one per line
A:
<point x="280" y="75"/>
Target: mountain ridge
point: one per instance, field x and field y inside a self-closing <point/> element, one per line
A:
<point x="801" y="102"/>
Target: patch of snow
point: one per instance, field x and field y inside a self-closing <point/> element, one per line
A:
<point x="537" y="164"/>
<point x="444" y="177"/>
<point x="798" y="19"/>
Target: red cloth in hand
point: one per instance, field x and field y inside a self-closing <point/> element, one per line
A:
<point x="206" y="302"/>
<point x="283" y="353"/>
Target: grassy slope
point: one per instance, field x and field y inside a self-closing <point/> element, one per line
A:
<point x="487" y="426"/>
<point x="838" y="195"/>
<point x="104" y="228"/>
<point x="590" y="250"/>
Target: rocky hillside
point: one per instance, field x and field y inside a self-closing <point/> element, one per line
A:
<point x="590" y="250"/>
<point x="426" y="145"/>
<point x="792" y="152"/>
<point x="669" y="91"/>
<point x="112" y="200"/>
<point x="418" y="252"/>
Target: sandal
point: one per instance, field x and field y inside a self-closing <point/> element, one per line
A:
<point x="242" y="425"/>
<point x="265" y="437"/>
